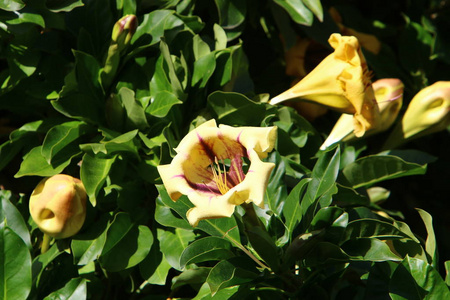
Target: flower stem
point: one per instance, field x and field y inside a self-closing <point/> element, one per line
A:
<point x="45" y="243"/>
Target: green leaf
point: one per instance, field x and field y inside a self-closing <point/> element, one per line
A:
<point x="27" y="17"/>
<point x="15" y="265"/>
<point x="430" y="244"/>
<point x="231" y="16"/>
<point x="206" y="249"/>
<point x="155" y="267"/>
<point x="333" y="219"/>
<point x="292" y="211"/>
<point x="415" y="279"/>
<point x="162" y="103"/>
<point x="14" y="219"/>
<point x="203" y="70"/>
<point x="60" y="136"/>
<point x="135" y="112"/>
<point x="374" y="229"/>
<point x="154" y="24"/>
<point x="371" y="169"/>
<point x="227" y="273"/>
<point x="236" y="109"/>
<point x="173" y="244"/>
<point x="126" y="245"/>
<point x="35" y="164"/>
<point x="173" y="78"/>
<point x="73" y="290"/>
<point x="62" y="5"/>
<point x="89" y="244"/>
<point x="369" y="249"/>
<point x="82" y="96"/>
<point x="321" y="186"/>
<point x="297" y="10"/>
<point x="164" y="215"/>
<point x="316" y="7"/>
<point x="124" y="143"/>
<point x="94" y="171"/>
<point x="12" y="5"/>
<point x="191" y="277"/>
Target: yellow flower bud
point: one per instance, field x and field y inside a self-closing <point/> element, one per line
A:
<point x="124" y="30"/>
<point x="428" y="112"/>
<point x="58" y="205"/>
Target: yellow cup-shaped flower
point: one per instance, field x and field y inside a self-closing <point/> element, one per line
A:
<point x="389" y="96"/>
<point x="58" y="205"/>
<point x="340" y="82"/>
<point x="209" y="168"/>
<point x="428" y="112"/>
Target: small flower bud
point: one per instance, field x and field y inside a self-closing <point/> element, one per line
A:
<point x="123" y="31"/>
<point x="58" y="205"/>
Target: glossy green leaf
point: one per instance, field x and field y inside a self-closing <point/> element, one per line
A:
<point x="231" y="15"/>
<point x="75" y="289"/>
<point x="173" y="243"/>
<point x="316" y="7"/>
<point x="88" y="245"/>
<point x="94" y="171"/>
<point x="15" y="265"/>
<point x="26" y="17"/>
<point x="415" y="279"/>
<point x="447" y="272"/>
<point x="155" y="267"/>
<point x="60" y="136"/>
<point x="162" y="103"/>
<point x="12" y="5"/>
<point x="292" y="211"/>
<point x="206" y="249"/>
<point x="369" y="249"/>
<point x="234" y="108"/>
<point x="369" y="170"/>
<point x="11" y="215"/>
<point x="203" y="69"/>
<point x="126" y="245"/>
<point x="124" y="143"/>
<point x="373" y="228"/>
<point x="276" y="191"/>
<point x="154" y="24"/>
<point x="265" y="246"/>
<point x="297" y="11"/>
<point x="225" y="274"/>
<point x="135" y="114"/>
<point x="191" y="276"/>
<point x="430" y="243"/>
<point x="165" y="216"/>
<point x="35" y="164"/>
<point x="333" y="220"/>
<point x="321" y="186"/>
<point x="172" y="74"/>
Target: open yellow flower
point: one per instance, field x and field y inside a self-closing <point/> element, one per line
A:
<point x="389" y="96"/>
<point x="58" y="205"/>
<point x="340" y="82"/>
<point x="428" y="112"/>
<point x="210" y="169"/>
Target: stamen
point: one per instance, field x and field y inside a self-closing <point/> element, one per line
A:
<point x="219" y="179"/>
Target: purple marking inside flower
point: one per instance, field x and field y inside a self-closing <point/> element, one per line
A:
<point x="208" y="150"/>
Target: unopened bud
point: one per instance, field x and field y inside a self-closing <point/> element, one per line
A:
<point x="123" y="31"/>
<point x="58" y="205"/>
